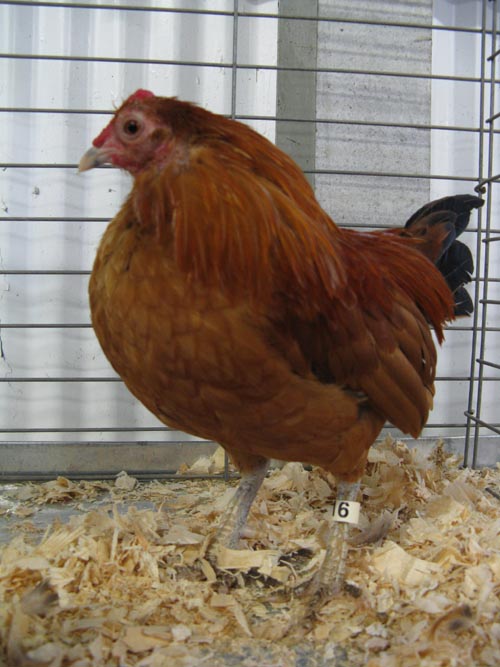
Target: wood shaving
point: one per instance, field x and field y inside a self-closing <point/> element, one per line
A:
<point x="126" y="580"/>
<point x="124" y="481"/>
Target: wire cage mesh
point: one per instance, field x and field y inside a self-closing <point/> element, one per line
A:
<point x="384" y="106"/>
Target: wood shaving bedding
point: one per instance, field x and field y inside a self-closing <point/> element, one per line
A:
<point x="132" y="586"/>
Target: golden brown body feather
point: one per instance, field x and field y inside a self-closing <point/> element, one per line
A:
<point x="204" y="365"/>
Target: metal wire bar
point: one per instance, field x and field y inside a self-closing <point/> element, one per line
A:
<point x="490" y="364"/>
<point x="242" y="66"/>
<point x="124" y="443"/>
<point x="490" y="180"/>
<point x="159" y="429"/>
<point x="87" y="272"/>
<point x="12" y="379"/>
<point x="494" y="55"/>
<point x="455" y="328"/>
<point x="234" y="85"/>
<point x="44" y="272"/>
<point x="366" y="123"/>
<point x="481" y="422"/>
<point x="50" y="325"/>
<point x="234" y="70"/>
<point x="389" y="174"/>
<point x="141" y="475"/>
<point x="323" y="172"/>
<point x="479" y="245"/>
<point x="247" y="14"/>
<point x="87" y="325"/>
<point x="56" y="110"/>
<point x="347" y="225"/>
<point x="493" y="492"/>
<point x="99" y="475"/>
<point x="50" y="218"/>
<point x="485" y="181"/>
<point x="94" y="429"/>
<point x="134" y="429"/>
<point x="42" y="165"/>
<point x="280" y="119"/>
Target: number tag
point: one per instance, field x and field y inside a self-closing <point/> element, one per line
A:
<point x="346" y="511"/>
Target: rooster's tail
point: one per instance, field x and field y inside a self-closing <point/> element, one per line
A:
<point x="438" y="224"/>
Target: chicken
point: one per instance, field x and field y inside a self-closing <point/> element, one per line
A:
<point x="236" y="310"/>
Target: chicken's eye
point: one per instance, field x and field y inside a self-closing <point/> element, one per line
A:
<point x="131" y="127"/>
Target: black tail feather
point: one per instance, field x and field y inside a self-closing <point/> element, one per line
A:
<point x="463" y="302"/>
<point x="453" y="258"/>
<point x="456" y="265"/>
<point x="459" y="205"/>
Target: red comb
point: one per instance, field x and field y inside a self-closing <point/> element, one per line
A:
<point x="140" y="94"/>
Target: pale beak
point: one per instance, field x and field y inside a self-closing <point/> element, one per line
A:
<point x="94" y="157"/>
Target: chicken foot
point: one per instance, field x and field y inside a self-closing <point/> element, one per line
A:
<point x="235" y="515"/>
<point x="329" y="579"/>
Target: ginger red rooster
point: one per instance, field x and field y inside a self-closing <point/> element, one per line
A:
<point x="235" y="309"/>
